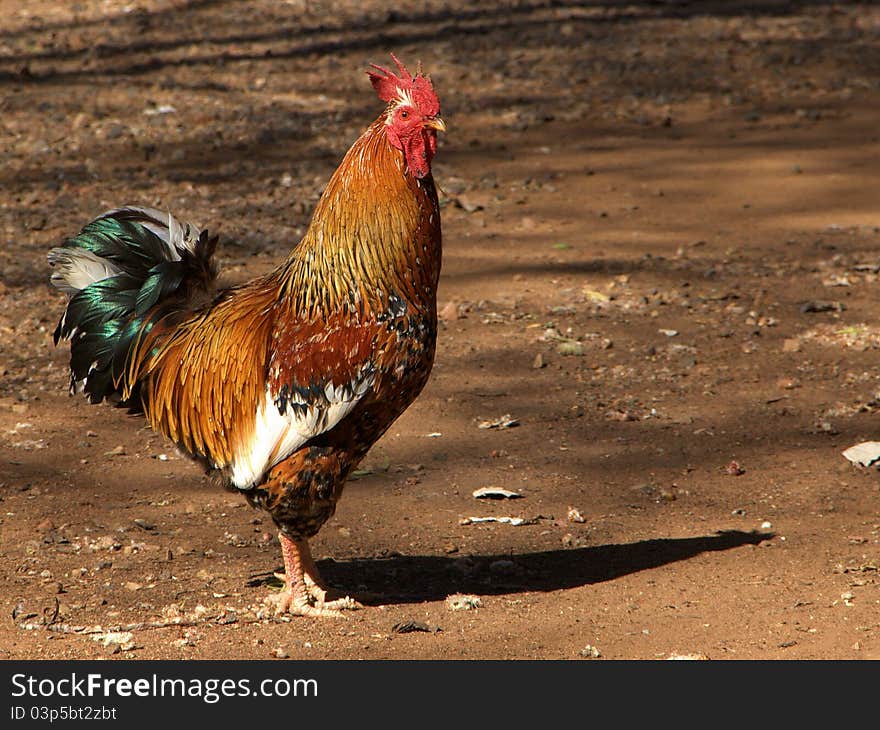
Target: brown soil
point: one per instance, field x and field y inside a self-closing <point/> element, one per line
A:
<point x="655" y="188"/>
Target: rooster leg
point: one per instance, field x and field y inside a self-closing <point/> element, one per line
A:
<point x="303" y="595"/>
<point x="317" y="588"/>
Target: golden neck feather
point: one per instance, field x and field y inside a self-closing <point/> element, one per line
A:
<point x="375" y="231"/>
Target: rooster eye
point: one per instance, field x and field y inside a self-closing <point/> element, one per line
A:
<point x="404" y="114"/>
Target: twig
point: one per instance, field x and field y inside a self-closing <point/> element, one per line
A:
<point x="140" y="626"/>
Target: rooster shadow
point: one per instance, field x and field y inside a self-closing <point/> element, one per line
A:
<point x="402" y="579"/>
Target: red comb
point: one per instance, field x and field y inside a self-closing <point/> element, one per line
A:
<point x="390" y="87"/>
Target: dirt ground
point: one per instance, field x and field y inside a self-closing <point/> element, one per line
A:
<point x="662" y="253"/>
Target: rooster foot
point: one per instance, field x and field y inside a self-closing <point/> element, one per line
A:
<point x="304" y="594"/>
<point x="295" y="603"/>
<point x="317" y="594"/>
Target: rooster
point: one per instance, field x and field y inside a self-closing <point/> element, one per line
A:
<point x="280" y="386"/>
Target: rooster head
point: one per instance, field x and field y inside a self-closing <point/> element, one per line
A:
<point x="412" y="119"/>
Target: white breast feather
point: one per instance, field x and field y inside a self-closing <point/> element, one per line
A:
<point x="277" y="435"/>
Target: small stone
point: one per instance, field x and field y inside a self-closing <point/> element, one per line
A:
<point x="574" y="515"/>
<point x="791" y="345"/>
<point x="116" y="641"/>
<point x="570" y="348"/>
<point x="105" y="542"/>
<point x="450" y="312"/>
<point x="495" y="493"/>
<point x="821" y="306"/>
<point x="461" y="602"/>
<point x="505" y="421"/>
<point x="409" y="627"/>
<point x="46" y="525"/>
<point x="590" y="652"/>
<point x="116" y="451"/>
<point x="280" y="653"/>
<point x="539" y="362"/>
<point x="503" y="567"/>
<point x="468" y="205"/>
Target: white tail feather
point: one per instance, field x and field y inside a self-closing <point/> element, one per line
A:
<point x="77" y="268"/>
<point x="176" y="235"/>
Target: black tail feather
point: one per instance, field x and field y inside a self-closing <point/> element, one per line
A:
<point x="125" y="270"/>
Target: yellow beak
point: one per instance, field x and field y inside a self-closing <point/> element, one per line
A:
<point x="436" y="123"/>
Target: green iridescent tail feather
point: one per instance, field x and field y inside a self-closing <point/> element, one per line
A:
<point x="124" y="271"/>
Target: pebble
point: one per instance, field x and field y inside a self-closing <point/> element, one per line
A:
<point x="574" y="515"/>
<point x="495" y="493"/>
<point x="409" y="627"/>
<point x="570" y="348"/>
<point x="821" y="306"/>
<point x="461" y="602"/>
<point x="503" y="567"/>
<point x="450" y="312"/>
<point x="105" y="542"/>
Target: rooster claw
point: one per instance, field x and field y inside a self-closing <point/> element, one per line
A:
<point x="346" y="603"/>
<point x="303" y="593"/>
<point x="287" y="602"/>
